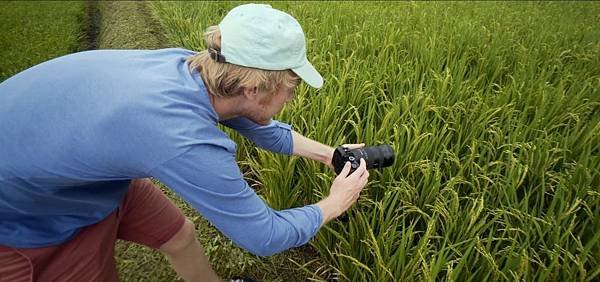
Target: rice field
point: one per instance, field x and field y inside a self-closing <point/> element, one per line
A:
<point x="493" y="110"/>
<point x="33" y="32"/>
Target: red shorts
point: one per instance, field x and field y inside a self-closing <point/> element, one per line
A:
<point x="145" y="216"/>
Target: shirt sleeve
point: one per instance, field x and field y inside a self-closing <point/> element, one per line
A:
<point x="275" y="137"/>
<point x="208" y="178"/>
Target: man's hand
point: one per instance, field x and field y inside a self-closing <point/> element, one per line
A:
<point x="344" y="192"/>
<point x="311" y="149"/>
<point x="349" y="146"/>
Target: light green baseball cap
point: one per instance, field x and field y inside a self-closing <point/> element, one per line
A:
<point x="258" y="36"/>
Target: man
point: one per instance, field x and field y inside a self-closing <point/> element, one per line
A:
<point x="81" y="133"/>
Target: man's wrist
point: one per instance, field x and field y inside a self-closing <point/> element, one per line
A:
<point x="329" y="209"/>
<point x="308" y="148"/>
<point x="327" y="155"/>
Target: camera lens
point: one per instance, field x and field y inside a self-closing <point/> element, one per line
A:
<point x="376" y="156"/>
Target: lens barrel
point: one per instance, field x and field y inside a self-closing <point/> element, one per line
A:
<point x="375" y="157"/>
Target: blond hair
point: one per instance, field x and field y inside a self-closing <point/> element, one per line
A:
<point x="228" y="80"/>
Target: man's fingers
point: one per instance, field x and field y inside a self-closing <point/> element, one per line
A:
<point x="365" y="175"/>
<point x="362" y="168"/>
<point x="358" y="172"/>
<point x="365" y="179"/>
<point x="354" y="146"/>
<point x="355" y="197"/>
<point x="345" y="170"/>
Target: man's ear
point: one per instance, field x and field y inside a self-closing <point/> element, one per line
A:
<point x="251" y="93"/>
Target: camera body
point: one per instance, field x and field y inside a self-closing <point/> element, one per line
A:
<point x="375" y="157"/>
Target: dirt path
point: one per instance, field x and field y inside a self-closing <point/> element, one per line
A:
<point x="123" y="25"/>
<point x="93" y="26"/>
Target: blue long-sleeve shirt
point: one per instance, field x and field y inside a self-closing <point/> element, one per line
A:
<point x="76" y="129"/>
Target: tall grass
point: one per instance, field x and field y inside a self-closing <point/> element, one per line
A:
<point x="493" y="110"/>
<point x="33" y="32"/>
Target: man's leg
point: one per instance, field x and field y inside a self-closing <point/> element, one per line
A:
<point x="149" y="218"/>
<point x="89" y="256"/>
<point x="187" y="255"/>
<point x="14" y="266"/>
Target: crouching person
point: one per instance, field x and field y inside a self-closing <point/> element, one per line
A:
<point x="82" y="133"/>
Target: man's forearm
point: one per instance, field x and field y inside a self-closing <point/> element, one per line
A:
<point x="329" y="209"/>
<point x="311" y="149"/>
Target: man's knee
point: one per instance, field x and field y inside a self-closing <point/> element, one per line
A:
<point x="181" y="240"/>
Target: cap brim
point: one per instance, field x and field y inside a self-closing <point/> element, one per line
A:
<point x="309" y="74"/>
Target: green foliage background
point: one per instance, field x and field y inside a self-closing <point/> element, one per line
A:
<point x="33" y="32"/>
<point x="493" y="111"/>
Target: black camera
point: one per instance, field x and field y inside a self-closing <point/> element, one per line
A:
<point x="375" y="157"/>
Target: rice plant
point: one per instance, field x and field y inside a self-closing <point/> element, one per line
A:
<point x="493" y="110"/>
<point x="33" y="32"/>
